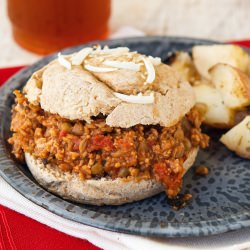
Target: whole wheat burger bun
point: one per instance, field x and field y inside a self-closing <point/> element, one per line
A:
<point x="97" y="192"/>
<point x="112" y="84"/>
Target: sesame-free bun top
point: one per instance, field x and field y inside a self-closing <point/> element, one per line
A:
<point x="127" y="87"/>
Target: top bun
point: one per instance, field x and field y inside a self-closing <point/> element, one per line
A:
<point x="127" y="87"/>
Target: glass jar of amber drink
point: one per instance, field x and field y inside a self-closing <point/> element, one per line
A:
<point x="50" y="25"/>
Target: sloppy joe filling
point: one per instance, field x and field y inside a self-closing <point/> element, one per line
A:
<point x="97" y="150"/>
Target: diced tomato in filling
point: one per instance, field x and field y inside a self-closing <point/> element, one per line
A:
<point x="101" y="142"/>
<point x="76" y="143"/>
<point x="165" y="174"/>
<point x="151" y="143"/>
<point x="62" y="133"/>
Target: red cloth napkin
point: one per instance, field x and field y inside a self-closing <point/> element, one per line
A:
<point x="20" y="232"/>
<point x="245" y="43"/>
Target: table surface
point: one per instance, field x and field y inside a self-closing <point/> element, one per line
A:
<point x="221" y="20"/>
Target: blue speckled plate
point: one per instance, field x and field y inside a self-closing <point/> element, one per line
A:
<point x="221" y="201"/>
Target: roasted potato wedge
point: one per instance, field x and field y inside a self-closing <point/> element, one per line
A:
<point x="237" y="139"/>
<point x="217" y="114"/>
<point x="183" y="63"/>
<point x="233" y="85"/>
<point x="206" y="56"/>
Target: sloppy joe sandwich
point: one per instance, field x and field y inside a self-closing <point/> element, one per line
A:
<point x="107" y="126"/>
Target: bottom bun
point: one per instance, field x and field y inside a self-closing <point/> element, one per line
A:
<point x="96" y="192"/>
